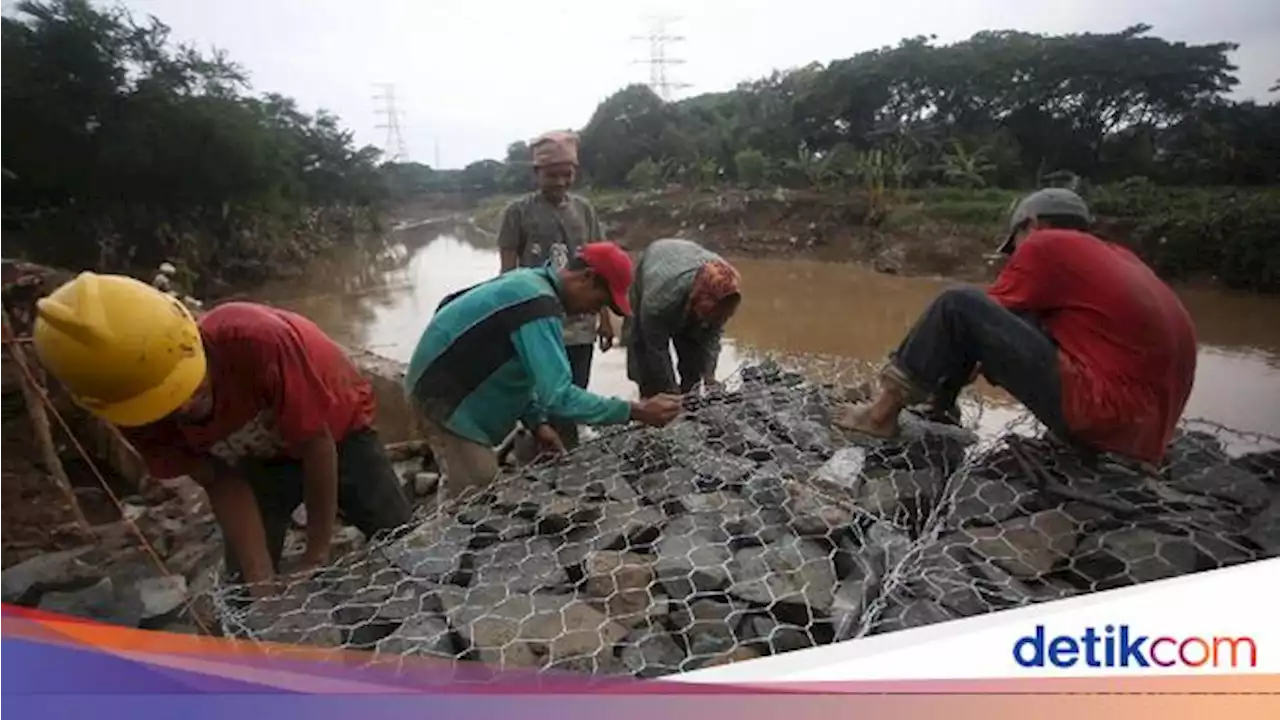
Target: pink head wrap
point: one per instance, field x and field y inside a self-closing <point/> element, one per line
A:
<point x="555" y="147"/>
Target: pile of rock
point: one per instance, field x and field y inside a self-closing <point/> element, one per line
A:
<point x="115" y="580"/>
<point x="751" y="527"/>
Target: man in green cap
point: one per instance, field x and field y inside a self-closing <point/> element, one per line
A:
<point x="1078" y="329"/>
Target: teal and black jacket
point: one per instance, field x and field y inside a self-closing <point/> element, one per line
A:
<point x="493" y="354"/>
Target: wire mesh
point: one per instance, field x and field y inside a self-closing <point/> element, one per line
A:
<point x="752" y="526"/>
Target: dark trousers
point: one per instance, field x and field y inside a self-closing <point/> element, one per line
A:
<point x="370" y="496"/>
<point x="580" y="357"/>
<point x="693" y="355"/>
<point x="964" y="327"/>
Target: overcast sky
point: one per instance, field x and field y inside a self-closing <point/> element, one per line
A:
<point x="482" y="73"/>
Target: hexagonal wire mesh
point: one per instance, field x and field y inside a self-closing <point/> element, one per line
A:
<point x="752" y="526"/>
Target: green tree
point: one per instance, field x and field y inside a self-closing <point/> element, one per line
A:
<point x="750" y="165"/>
<point x="126" y="149"/>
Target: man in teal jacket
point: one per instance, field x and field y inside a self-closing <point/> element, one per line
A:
<point x="494" y="354"/>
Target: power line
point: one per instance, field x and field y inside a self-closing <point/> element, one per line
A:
<point x="659" y="58"/>
<point x="394" y="145"/>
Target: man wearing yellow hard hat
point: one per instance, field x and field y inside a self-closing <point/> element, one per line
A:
<point x="256" y="404"/>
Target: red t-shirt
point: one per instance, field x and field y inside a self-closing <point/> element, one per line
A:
<point x="277" y="380"/>
<point x="1127" y="345"/>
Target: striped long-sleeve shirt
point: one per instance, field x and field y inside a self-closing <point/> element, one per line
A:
<point x="494" y="354"/>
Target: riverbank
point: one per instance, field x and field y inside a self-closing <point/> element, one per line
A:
<point x="1202" y="236"/>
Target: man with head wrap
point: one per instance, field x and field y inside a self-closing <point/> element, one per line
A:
<point x="683" y="296"/>
<point x="551" y="225"/>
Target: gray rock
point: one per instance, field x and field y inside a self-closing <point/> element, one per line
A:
<point x="57" y="570"/>
<point x="503" y="528"/>
<point x="622" y="583"/>
<point x="1228" y="483"/>
<point x="1131" y="555"/>
<point x="649" y="652"/>
<point x="912" y="613"/>
<point x="532" y="631"/>
<point x="988" y="501"/>
<point x="845" y="467"/>
<point x="521" y="565"/>
<point x="434" y="551"/>
<point x="612" y="487"/>
<point x="790" y="570"/>
<point x="159" y="596"/>
<point x="901" y="493"/>
<point x="621" y="526"/>
<point x="1264" y="531"/>
<point x="719" y="470"/>
<point x="766" y="487"/>
<point x="693" y="557"/>
<point x="1026" y="547"/>
<point x="865" y="567"/>
<point x="298" y="616"/>
<point x="814" y="515"/>
<point x="96" y="602"/>
<point x="709" y="628"/>
<point x="1265" y="465"/>
<point x="780" y="637"/>
<point x="741" y="520"/>
<point x="660" y="487"/>
<point x="563" y="515"/>
<point x="423" y="634"/>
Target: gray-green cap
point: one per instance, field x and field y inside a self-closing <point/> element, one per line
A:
<point x="1049" y="201"/>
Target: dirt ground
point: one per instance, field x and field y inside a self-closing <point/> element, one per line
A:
<point x="35" y="514"/>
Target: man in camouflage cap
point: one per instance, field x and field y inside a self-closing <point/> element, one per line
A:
<point x="550" y="225"/>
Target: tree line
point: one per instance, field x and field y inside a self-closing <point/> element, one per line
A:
<point x="1141" y="125"/>
<point x="1001" y="109"/>
<point x="122" y="149"/>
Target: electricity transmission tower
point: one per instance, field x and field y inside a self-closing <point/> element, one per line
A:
<point x="393" y="146"/>
<point x="659" y="59"/>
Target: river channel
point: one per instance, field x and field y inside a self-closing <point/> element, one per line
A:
<point x="382" y="301"/>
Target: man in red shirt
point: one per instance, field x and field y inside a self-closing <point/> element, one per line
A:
<point x="256" y="404"/>
<point x="1079" y="330"/>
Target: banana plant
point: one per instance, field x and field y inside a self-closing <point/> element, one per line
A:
<point x="965" y="168"/>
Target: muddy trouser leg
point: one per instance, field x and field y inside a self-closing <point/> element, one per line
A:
<point x="945" y="404"/>
<point x="964" y="327"/>
<point x="277" y="487"/>
<point x="369" y="492"/>
<point x="691" y="360"/>
<point x="464" y="465"/>
<point x="580" y="357"/>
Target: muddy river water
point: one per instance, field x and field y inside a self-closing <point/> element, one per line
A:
<point x="382" y="301"/>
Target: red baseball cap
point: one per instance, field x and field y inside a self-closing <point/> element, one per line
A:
<point x="613" y="264"/>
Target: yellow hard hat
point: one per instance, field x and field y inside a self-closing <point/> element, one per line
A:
<point x="126" y="351"/>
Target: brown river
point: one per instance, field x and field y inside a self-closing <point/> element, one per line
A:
<point x="382" y="301"/>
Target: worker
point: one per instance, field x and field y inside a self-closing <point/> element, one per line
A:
<point x="494" y="354"/>
<point x="256" y="404"/>
<point x="1078" y="329"/>
<point x="552" y="224"/>
<point x="683" y="296"/>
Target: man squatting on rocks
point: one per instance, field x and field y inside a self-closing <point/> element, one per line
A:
<point x="683" y="295"/>
<point x="552" y="225"/>
<point x="494" y="354"/>
<point x="256" y="404"/>
<point x="1078" y="329"/>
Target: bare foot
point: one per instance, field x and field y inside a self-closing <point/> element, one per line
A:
<point x="858" y="418"/>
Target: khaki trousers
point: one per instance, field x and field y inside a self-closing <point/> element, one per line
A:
<point x="465" y="466"/>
